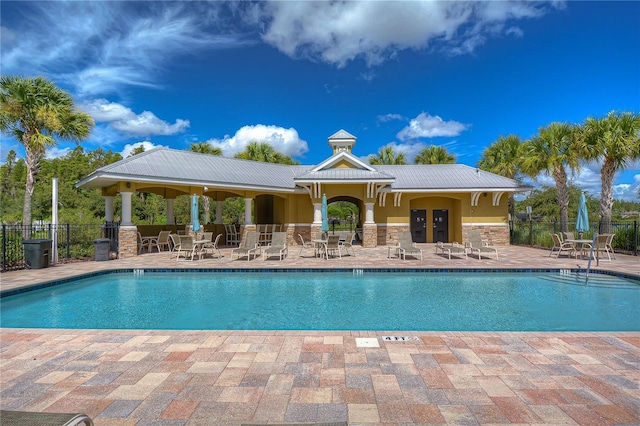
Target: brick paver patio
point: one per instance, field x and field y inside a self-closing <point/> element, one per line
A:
<point x="139" y="377"/>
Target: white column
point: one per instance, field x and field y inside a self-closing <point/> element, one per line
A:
<point x="108" y="208"/>
<point x="126" y="208"/>
<point x="170" y="217"/>
<point x="368" y="216"/>
<point x="317" y="213"/>
<point x="247" y="211"/>
<point x="218" y="213"/>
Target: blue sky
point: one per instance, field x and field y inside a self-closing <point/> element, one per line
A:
<point x="410" y="74"/>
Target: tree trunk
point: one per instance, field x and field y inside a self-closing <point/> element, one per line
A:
<point x="33" y="157"/>
<point x="606" y="195"/>
<point x="206" y="204"/>
<point x="560" y="176"/>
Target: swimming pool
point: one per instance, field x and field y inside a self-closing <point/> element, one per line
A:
<point x="354" y="300"/>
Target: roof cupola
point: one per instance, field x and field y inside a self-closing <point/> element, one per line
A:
<point x="341" y="141"/>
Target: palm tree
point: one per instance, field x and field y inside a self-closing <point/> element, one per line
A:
<point x="265" y="153"/>
<point x="205" y="148"/>
<point x="387" y="155"/>
<point x="36" y="112"/>
<point x="614" y="140"/>
<point x="501" y="157"/>
<point x="435" y="155"/>
<point x="553" y="149"/>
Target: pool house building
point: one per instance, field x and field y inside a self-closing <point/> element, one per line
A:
<point x="435" y="202"/>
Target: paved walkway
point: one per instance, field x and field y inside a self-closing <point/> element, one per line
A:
<point x="127" y="377"/>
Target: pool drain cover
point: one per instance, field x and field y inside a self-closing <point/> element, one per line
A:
<point x="367" y="342"/>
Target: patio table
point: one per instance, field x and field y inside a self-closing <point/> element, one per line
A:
<point x="582" y="243"/>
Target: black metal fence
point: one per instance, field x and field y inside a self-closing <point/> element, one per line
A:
<point x="538" y="234"/>
<point x="73" y="242"/>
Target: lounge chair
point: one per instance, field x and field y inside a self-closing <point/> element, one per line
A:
<point x="161" y="241"/>
<point x="277" y="247"/>
<point x="454" y="247"/>
<point x="43" y="419"/>
<point x="559" y="246"/>
<point x="305" y="244"/>
<point x="348" y="244"/>
<point x="333" y="245"/>
<point x="249" y="245"/>
<point x="406" y="245"/>
<point x="476" y="244"/>
<point x="212" y="246"/>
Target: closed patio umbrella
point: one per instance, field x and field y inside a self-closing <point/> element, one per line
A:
<point x="582" y="222"/>
<point x="194" y="213"/>
<point x="325" y="218"/>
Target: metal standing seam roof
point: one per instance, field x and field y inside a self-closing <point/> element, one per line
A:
<point x="194" y="168"/>
<point x="187" y="167"/>
<point x="445" y="177"/>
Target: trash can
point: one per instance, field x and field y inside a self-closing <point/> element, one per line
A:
<point x="36" y="253"/>
<point x="101" y="248"/>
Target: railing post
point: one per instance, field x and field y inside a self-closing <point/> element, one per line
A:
<point x="531" y="232"/>
<point x="635" y="237"/>
<point x="68" y="242"/>
<point x="4" y="247"/>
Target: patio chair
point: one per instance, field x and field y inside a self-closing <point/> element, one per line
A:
<point x="43" y="419"/>
<point x="406" y="245"/>
<point x="559" y="246"/>
<point x="188" y="248"/>
<point x="278" y="246"/>
<point x="603" y="245"/>
<point x="348" y="244"/>
<point x="142" y="243"/>
<point x="161" y="241"/>
<point x="249" y="245"/>
<point x="305" y="244"/>
<point x="232" y="238"/>
<point x="212" y="246"/>
<point x="333" y="245"/>
<point x="175" y="242"/>
<point x="475" y="243"/>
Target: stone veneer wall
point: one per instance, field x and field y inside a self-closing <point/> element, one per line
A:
<point x="293" y="230"/>
<point x="495" y="235"/>
<point x="388" y="234"/>
<point x="127" y="242"/>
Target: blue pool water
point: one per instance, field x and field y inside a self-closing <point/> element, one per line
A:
<point x="332" y="301"/>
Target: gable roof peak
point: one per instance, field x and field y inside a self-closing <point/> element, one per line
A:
<point x="342" y="134"/>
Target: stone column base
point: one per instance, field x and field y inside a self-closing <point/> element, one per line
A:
<point x="127" y="242"/>
<point x="369" y="235"/>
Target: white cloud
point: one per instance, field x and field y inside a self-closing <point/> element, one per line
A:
<point x="589" y="180"/>
<point x="428" y="126"/>
<point x="338" y="32"/>
<point x="123" y="119"/>
<point x="56" y="152"/>
<point x="390" y="117"/>
<point x="128" y="148"/>
<point x="100" y="47"/>
<point x="286" y="141"/>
